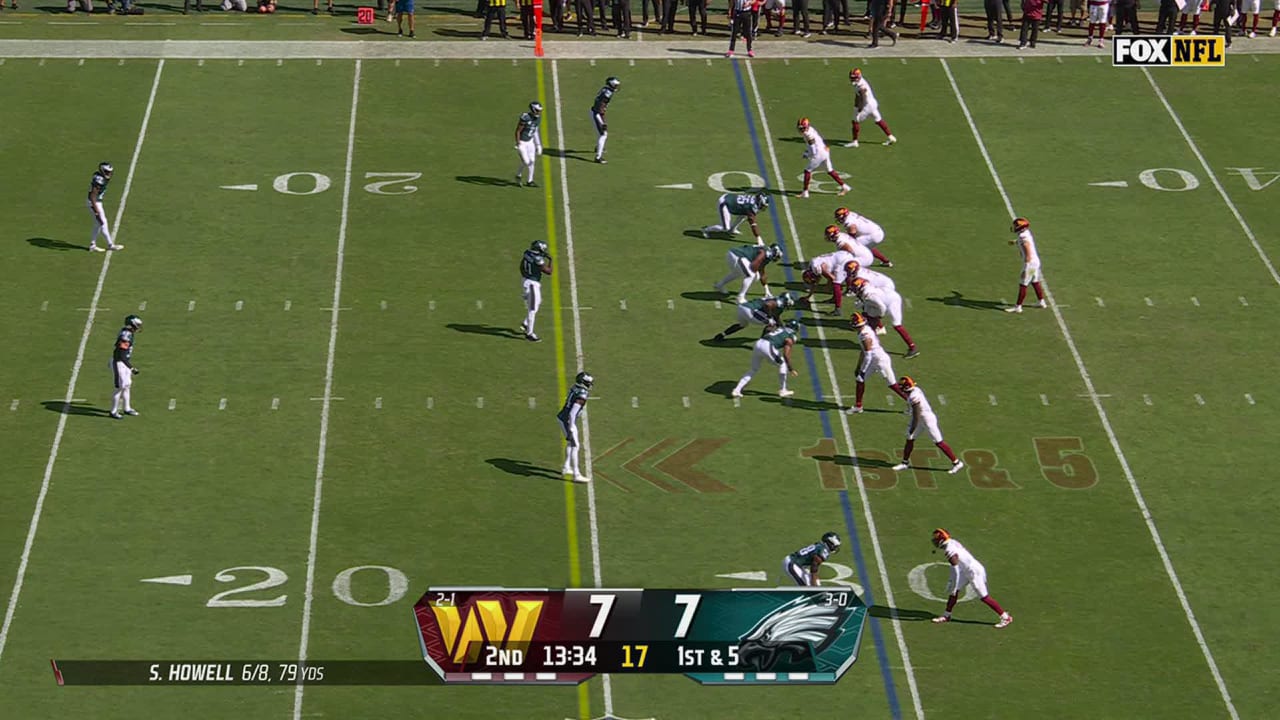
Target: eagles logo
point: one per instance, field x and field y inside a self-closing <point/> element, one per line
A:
<point x="797" y="631"/>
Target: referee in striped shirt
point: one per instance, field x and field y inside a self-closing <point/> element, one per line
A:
<point x="741" y="13"/>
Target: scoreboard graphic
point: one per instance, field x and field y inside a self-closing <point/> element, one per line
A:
<point x="547" y="636"/>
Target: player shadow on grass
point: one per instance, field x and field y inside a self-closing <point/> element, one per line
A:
<point x="485" y="180"/>
<point x="493" y="330"/>
<point x="726" y="236"/>
<point x="695" y="51"/>
<point x="570" y="154"/>
<point x="51" y="244"/>
<point x="888" y="613"/>
<point x="706" y="296"/>
<point x="801" y="403"/>
<point x="524" y="468"/>
<point x="956" y="299"/>
<point x="364" y="30"/>
<point x="74" y="408"/>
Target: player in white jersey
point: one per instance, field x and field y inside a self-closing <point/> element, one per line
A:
<point x="832" y="268"/>
<point x="865" y="108"/>
<point x="922" y="417"/>
<point x="878" y="304"/>
<point x="865" y="232"/>
<point x="818" y="155"/>
<point x="1196" y="7"/>
<point x="1031" y="274"/>
<point x="875" y="279"/>
<point x="874" y="359"/>
<point x="965" y="570"/>
<point x="844" y="241"/>
<point x="574" y="403"/>
<point x="1275" y="18"/>
<point x="98" y="190"/>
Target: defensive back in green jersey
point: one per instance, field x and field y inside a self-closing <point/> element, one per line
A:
<point x="805" y="556"/>
<point x="742" y="203"/>
<point x="778" y="336"/>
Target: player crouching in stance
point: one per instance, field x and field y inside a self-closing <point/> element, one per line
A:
<point x="965" y="570"/>
<point x="818" y="155"/>
<point x="535" y="263"/>
<point x="802" y="565"/>
<point x="873" y="359"/>
<point x="528" y="142"/>
<point x="761" y="311"/>
<point x="774" y="346"/>
<point x="922" y="416"/>
<point x="1031" y="274"/>
<point x="832" y="267"/>
<point x="746" y="263"/>
<point x="574" y="403"/>
<point x="122" y="369"/>
<point x="738" y="207"/>
<point x="879" y="303"/>
<point x="865" y="231"/>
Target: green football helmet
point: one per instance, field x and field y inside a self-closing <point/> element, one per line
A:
<point x="133" y="322"/>
<point x="774" y="253"/>
<point x="832" y="541"/>
<point x="584" y="379"/>
<point x="540" y="246"/>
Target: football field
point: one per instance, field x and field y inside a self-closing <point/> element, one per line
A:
<point x="338" y="408"/>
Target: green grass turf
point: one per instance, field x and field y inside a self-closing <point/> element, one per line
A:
<point x="441" y="454"/>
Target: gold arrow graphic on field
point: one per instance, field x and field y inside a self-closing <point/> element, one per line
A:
<point x="678" y="465"/>
<point x="681" y="465"/>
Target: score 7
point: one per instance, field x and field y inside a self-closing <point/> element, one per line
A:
<point x="605" y="601"/>
<point x="690" y="602"/>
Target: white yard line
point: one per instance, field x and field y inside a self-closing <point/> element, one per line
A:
<point x="1106" y="421"/>
<point x="1212" y="176"/>
<point x="606" y="680"/>
<point x="844" y="420"/>
<point x="327" y="399"/>
<point x="75" y="372"/>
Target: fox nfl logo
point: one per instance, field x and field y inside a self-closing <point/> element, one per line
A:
<point x="1169" y="51"/>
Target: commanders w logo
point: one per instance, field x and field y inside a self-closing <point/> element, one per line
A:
<point x="465" y="631"/>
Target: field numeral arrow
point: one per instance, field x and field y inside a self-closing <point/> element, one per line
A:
<point x="657" y="463"/>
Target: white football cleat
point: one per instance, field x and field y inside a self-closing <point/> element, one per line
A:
<point x="1273" y="31"/>
<point x="853" y="410"/>
<point x="581" y="479"/>
<point x="115" y="415"/>
<point x="941" y="619"/>
<point x="1005" y="619"/>
<point x="891" y="140"/>
<point x="1014" y="309"/>
<point x="1042" y="304"/>
<point x="95" y="248"/>
<point x="804" y="193"/>
<point x="742" y="299"/>
<point x="844" y="190"/>
<point x="130" y="411"/>
<point x="851" y="144"/>
<point x="956" y="467"/>
<point x="115" y="247"/>
<point x="786" y="393"/>
<point x="901" y="466"/>
<point x="705" y="233"/>
<point x="736" y="393"/>
<point x="1253" y="34"/>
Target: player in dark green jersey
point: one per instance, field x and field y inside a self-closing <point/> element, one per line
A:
<point x="802" y="565"/>
<point x="775" y="347"/>
<point x="747" y="263"/>
<point x="535" y="263"/>
<point x="122" y="369"/>
<point x="598" y="109"/>
<point x="761" y="311"/>
<point x="742" y="206"/>
<point x="97" y="191"/>
<point x="574" y="403"/>
<point x="528" y="142"/>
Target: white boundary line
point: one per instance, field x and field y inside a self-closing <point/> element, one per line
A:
<point x="844" y="420"/>
<point x="1106" y="422"/>
<point x="75" y="372"/>
<point x="328" y="396"/>
<point x="606" y="680"/>
<point x="1212" y="176"/>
